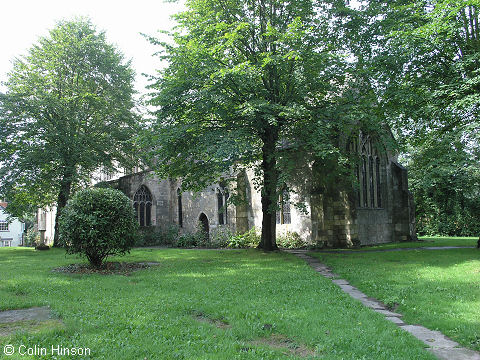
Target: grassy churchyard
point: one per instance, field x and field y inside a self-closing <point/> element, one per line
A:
<point x="439" y="289"/>
<point x="239" y="304"/>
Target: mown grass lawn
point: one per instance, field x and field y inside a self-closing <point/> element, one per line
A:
<point x="439" y="289"/>
<point x="425" y="241"/>
<point x="198" y="304"/>
<point x="429" y="241"/>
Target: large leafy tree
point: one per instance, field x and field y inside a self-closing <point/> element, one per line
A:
<point x="444" y="175"/>
<point x="422" y="59"/>
<point x="67" y="111"/>
<point x="250" y="84"/>
<point x="428" y="65"/>
<point x="428" y="61"/>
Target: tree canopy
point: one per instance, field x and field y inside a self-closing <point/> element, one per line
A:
<point x="445" y="177"/>
<point x="67" y="111"/>
<point x="423" y="58"/>
<point x="432" y="52"/>
<point x="260" y="84"/>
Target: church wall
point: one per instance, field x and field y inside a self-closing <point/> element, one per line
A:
<point x="333" y="218"/>
<point x="165" y="210"/>
<point x="255" y="203"/>
<point x="367" y="213"/>
<point x="50" y="214"/>
<point x="392" y="221"/>
<point x="375" y="225"/>
<point x="159" y="189"/>
<point x="402" y="206"/>
<point x="301" y="223"/>
<point x="205" y="202"/>
<point x="243" y="207"/>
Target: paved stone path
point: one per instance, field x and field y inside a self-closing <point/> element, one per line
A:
<point x="35" y="313"/>
<point x="441" y="346"/>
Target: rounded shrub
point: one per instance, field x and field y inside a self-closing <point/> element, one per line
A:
<point x="97" y="223"/>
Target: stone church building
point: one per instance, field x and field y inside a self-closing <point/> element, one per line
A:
<point x="377" y="209"/>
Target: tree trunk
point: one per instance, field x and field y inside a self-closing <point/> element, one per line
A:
<point x="63" y="196"/>
<point x="269" y="191"/>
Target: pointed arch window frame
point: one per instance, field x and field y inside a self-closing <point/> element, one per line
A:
<point x="222" y="205"/>
<point x="369" y="172"/>
<point x="284" y="215"/>
<point x="143" y="204"/>
<point x="180" y="208"/>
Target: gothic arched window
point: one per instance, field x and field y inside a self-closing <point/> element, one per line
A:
<point x="364" y="182"/>
<point x="379" y="189"/>
<point x="369" y="174"/>
<point x="222" y="210"/>
<point x="370" y="178"/>
<point x="283" y="214"/>
<point x="180" y="209"/>
<point x="226" y="195"/>
<point x="142" y="203"/>
<point x="220" y="207"/>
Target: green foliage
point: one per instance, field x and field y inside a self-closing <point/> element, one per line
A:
<point x="253" y="84"/>
<point x="440" y="42"/>
<point x="198" y="238"/>
<point x="171" y="236"/>
<point x="66" y="112"/>
<point x="104" y="184"/>
<point x="291" y="240"/>
<point x="445" y="177"/>
<point x="220" y="238"/>
<point x="97" y="223"/>
<point x="248" y="239"/>
<point x="423" y="241"/>
<point x="156" y="236"/>
<point x="422" y="58"/>
<point x="31" y="238"/>
<point x="189" y="240"/>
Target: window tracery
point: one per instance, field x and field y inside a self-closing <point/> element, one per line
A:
<point x="180" y="207"/>
<point x="222" y="210"/>
<point x="284" y="214"/>
<point x="142" y="203"/>
<point x="368" y="172"/>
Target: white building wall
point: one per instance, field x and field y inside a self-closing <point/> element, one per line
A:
<point x="50" y="214"/>
<point x="12" y="236"/>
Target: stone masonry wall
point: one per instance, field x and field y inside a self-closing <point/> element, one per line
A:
<point x="301" y="222"/>
<point x="375" y="225"/>
<point x="160" y="190"/>
<point x="333" y="220"/>
<point x="392" y="222"/>
<point x="165" y="211"/>
<point x="401" y="203"/>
